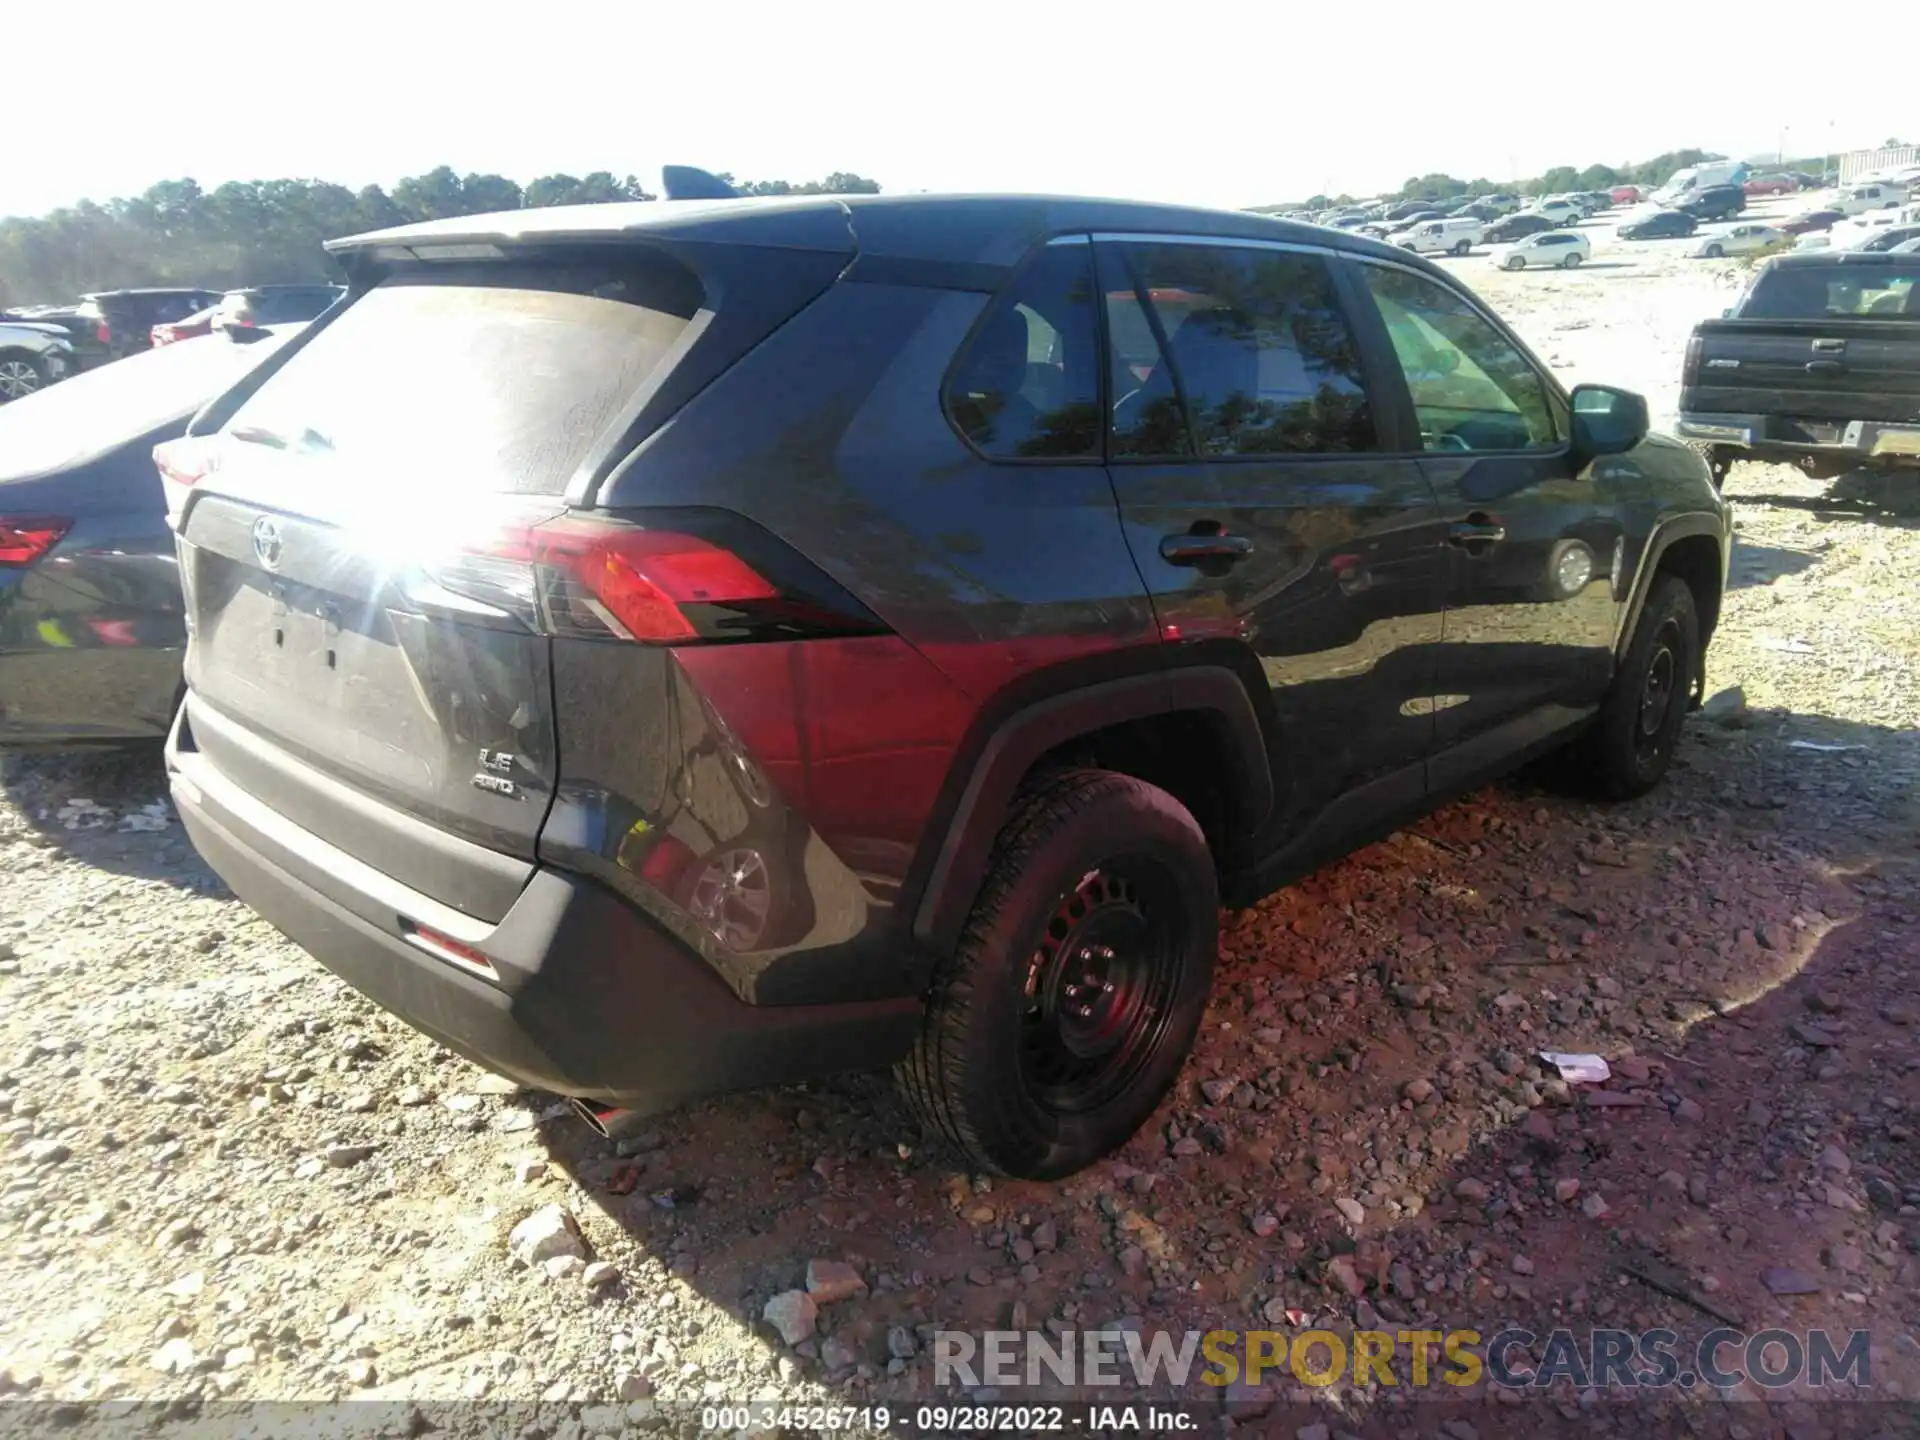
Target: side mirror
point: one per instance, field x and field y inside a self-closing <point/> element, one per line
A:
<point x="1607" y="421"/>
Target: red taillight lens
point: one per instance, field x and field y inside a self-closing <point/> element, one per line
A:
<point x="183" y="463"/>
<point x="605" y="580"/>
<point x="25" y="538"/>
<point x="103" y="333"/>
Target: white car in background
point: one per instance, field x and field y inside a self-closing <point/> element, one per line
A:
<point x="32" y="357"/>
<point x="1561" y="212"/>
<point x="1739" y="240"/>
<point x="1456" y="235"/>
<point x="1550" y="249"/>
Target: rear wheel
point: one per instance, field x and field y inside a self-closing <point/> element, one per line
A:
<point x="1631" y="743"/>
<point x="1570" y="260"/>
<point x="21" y="373"/>
<point x="1066" y="1010"/>
<point x="1463" y="247"/>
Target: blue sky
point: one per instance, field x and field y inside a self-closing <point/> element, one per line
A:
<point x="1199" y="102"/>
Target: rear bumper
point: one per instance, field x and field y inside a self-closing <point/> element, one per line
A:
<point x="590" y="998"/>
<point x="1759" y="435"/>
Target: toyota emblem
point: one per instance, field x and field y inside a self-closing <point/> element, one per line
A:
<point x="266" y="542"/>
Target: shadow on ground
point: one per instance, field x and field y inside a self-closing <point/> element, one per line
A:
<point x="104" y="807"/>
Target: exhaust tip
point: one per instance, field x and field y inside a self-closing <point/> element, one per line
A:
<point x="606" y="1121"/>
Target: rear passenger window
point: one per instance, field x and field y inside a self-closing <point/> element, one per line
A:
<point x="1252" y="340"/>
<point x="1028" y="386"/>
<point x="1472" y="388"/>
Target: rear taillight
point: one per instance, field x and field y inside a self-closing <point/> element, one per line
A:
<point x="602" y="579"/>
<point x="1690" y="368"/>
<point x="25" y="538"/>
<point x="183" y="463"/>
<point x="103" y="333"/>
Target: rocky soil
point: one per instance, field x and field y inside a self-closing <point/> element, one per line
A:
<point x="227" y="1177"/>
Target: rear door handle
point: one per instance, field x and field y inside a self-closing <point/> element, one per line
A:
<point x="1202" y="549"/>
<point x="1826" y="367"/>
<point x="1476" y="532"/>
<point x="1829" y="347"/>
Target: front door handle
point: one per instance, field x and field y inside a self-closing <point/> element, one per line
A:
<point x="1204" y="549"/>
<point x="1476" y="531"/>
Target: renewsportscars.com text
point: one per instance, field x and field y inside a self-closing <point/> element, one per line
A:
<point x="1604" y="1359"/>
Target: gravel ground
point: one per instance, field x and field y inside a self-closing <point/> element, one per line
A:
<point x="228" y="1177"/>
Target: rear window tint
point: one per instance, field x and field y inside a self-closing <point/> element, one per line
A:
<point x="478" y="379"/>
<point x="93" y="412"/>
<point x="1809" y="292"/>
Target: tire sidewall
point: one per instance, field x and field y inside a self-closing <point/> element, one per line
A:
<point x="1130" y="819"/>
<point x="1626" y="772"/>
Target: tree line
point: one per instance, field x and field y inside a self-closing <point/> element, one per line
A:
<point x="264" y="232"/>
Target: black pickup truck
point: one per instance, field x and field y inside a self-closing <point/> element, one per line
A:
<point x="1817" y="366"/>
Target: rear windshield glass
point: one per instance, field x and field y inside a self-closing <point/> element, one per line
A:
<point x="1807" y="292"/>
<point x="476" y="378"/>
<point x="100" y="410"/>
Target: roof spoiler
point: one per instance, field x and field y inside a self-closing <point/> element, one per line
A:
<point x="685" y="182"/>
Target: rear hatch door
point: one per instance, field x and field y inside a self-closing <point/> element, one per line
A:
<point x="332" y="675"/>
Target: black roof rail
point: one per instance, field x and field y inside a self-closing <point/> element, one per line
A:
<point x="686" y="182"/>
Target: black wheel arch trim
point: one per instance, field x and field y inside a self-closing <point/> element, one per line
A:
<point x="1665" y="534"/>
<point x="1008" y="749"/>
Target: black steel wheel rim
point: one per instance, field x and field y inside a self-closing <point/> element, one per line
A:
<point x="1101" y="984"/>
<point x="1659" y="690"/>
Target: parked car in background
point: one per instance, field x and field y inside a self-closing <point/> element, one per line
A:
<point x="91" y="627"/>
<point x="1626" y="194"/>
<point x="1715" y="202"/>
<point x="1812" y="222"/>
<point x="1775" y="184"/>
<point x="1818" y="365"/>
<point x="1562" y="249"/>
<point x="1517" y="227"/>
<point x="123" y="320"/>
<point x="196" y="324"/>
<point x="1875" y="195"/>
<point x="1506" y="204"/>
<point x="921" y="812"/>
<point x="1740" y="240"/>
<point x="1688" y="182"/>
<point x="1562" y="212"/>
<point x="275" y="304"/>
<point x="1456" y="235"/>
<point x="1892" y="237"/>
<point x="32" y="357"/>
<point x="1661" y="225"/>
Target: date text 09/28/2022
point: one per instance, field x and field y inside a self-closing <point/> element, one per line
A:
<point x="950" y="1419"/>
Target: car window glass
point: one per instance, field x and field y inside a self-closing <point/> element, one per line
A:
<point x="1028" y="386"/>
<point x="1260" y="349"/>
<point x="1472" y="388"/>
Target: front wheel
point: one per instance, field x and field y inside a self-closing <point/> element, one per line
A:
<point x="1630" y="745"/>
<point x="21" y="374"/>
<point x="1065" y="1012"/>
<point x="1516" y="262"/>
<point x="1714" y="252"/>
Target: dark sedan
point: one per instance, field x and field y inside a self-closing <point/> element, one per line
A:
<point x="1517" y="227"/>
<point x="90" y="613"/>
<point x="1665" y="225"/>
<point x="1812" y="222"/>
